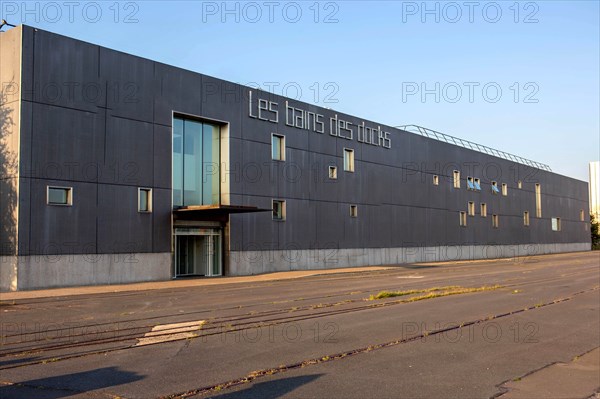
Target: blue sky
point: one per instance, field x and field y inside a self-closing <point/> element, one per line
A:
<point x="538" y="61"/>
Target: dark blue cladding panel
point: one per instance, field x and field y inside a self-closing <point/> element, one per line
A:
<point x="398" y="204"/>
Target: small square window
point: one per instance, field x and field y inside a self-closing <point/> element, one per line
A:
<point x="525" y="218"/>
<point x="145" y="200"/>
<point x="495" y="221"/>
<point x="59" y="196"/>
<point x="333" y="172"/>
<point x="483" y="210"/>
<point x="520" y="184"/>
<point x="463" y="218"/>
<point x="556" y="224"/>
<point x="348" y="160"/>
<point x="278" y="147"/>
<point x="436" y="180"/>
<point x="353" y="211"/>
<point x="470" y="183"/>
<point x="471" y="208"/>
<point x="456" y="179"/>
<point x="504" y="189"/>
<point x="477" y="184"/>
<point x="278" y="210"/>
<point x="495" y="188"/>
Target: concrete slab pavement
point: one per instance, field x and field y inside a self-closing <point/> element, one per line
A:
<point x="574" y="380"/>
<point x="182" y="283"/>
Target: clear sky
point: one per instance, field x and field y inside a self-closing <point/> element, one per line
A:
<point x="522" y="77"/>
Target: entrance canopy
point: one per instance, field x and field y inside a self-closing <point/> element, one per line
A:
<point x="213" y="212"/>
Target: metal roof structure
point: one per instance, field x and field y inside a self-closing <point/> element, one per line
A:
<point x="432" y="134"/>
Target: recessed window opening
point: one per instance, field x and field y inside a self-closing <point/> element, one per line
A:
<point x="495" y="188"/>
<point x="278" y="147"/>
<point x="470" y="183"/>
<point x="471" y="208"/>
<point x="538" y="200"/>
<point x="333" y="172"/>
<point x="463" y="218"/>
<point x="59" y="196"/>
<point x="348" y="160"/>
<point x="495" y="221"/>
<point x="145" y="200"/>
<point x="278" y="210"/>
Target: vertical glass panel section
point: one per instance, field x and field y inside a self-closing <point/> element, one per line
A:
<point x="192" y="163"/>
<point x="196" y="163"/>
<point x="210" y="164"/>
<point x="216" y="255"/>
<point x="538" y="200"/>
<point x="58" y="196"/>
<point x="349" y="160"/>
<point x="276" y="148"/>
<point x="177" y="162"/>
<point x="143" y="206"/>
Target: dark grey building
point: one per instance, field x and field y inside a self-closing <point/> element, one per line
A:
<point x="118" y="169"/>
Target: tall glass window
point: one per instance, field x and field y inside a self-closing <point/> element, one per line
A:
<point x="177" y="162"/>
<point x="195" y="162"/>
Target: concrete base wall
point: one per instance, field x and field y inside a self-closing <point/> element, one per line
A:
<point x="8" y="273"/>
<point x="49" y="271"/>
<point x="256" y="262"/>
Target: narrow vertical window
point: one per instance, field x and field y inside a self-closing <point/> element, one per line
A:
<point x="456" y="179"/>
<point x="278" y="210"/>
<point x="353" y="211"/>
<point x="504" y="189"/>
<point x="277" y="147"/>
<point x="520" y="184"/>
<point x="144" y="200"/>
<point x="525" y="218"/>
<point x="463" y="218"/>
<point x="436" y="180"/>
<point x="495" y="221"/>
<point x="59" y="196"/>
<point x="555" y="224"/>
<point x="483" y="210"/>
<point x="495" y="188"/>
<point x="477" y="184"/>
<point x="538" y="200"/>
<point x="348" y="160"/>
<point x="470" y="183"/>
<point x="333" y="172"/>
<point x="582" y="215"/>
<point x="471" y="208"/>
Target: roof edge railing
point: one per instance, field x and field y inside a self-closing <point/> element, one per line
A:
<point x="432" y="134"/>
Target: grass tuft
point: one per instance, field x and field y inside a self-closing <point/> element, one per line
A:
<point x="430" y="293"/>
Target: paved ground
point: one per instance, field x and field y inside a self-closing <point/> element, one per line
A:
<point x="464" y="330"/>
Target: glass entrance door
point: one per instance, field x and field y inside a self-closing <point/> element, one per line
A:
<point x="197" y="252"/>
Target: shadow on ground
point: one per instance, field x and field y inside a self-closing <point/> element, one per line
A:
<point x="64" y="386"/>
<point x="270" y="389"/>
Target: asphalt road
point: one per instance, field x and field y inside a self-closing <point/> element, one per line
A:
<point x="315" y="337"/>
